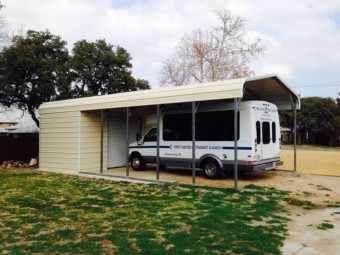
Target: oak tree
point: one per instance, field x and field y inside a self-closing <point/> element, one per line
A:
<point x="318" y="121"/>
<point x="100" y="68"/>
<point x="34" y="69"/>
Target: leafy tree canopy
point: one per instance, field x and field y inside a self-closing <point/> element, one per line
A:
<point x="33" y="70"/>
<point x="318" y="116"/>
<point x="100" y="68"/>
<point x="37" y="68"/>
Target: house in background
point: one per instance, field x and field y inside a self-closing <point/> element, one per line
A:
<point x="286" y="135"/>
<point x="4" y="125"/>
<point x="14" y="121"/>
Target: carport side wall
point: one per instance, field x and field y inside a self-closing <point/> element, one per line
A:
<point x="59" y="140"/>
<point x="58" y="145"/>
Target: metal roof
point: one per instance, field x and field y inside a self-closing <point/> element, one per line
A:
<point x="272" y="89"/>
<point x="268" y="88"/>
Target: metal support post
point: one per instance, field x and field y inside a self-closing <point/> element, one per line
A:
<point x="295" y="131"/>
<point x="128" y="114"/>
<point x="158" y="152"/>
<point x="102" y="115"/>
<point x="293" y="103"/>
<point x="193" y="126"/>
<point x="236" y="105"/>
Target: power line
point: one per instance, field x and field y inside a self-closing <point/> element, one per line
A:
<point x="316" y="86"/>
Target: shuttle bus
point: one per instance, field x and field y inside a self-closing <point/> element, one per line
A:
<point x="258" y="139"/>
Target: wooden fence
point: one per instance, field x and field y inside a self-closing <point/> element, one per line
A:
<point x="19" y="148"/>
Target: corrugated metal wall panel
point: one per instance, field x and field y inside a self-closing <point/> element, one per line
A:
<point x="56" y="150"/>
<point x="117" y="139"/>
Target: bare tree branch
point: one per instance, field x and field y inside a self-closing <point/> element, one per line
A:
<point x="223" y="52"/>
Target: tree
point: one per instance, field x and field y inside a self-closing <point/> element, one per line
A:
<point x="318" y="121"/>
<point x="4" y="30"/>
<point x="100" y="68"/>
<point x="33" y="70"/>
<point x="223" y="52"/>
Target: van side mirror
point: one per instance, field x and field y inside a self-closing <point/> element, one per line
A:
<point x="138" y="136"/>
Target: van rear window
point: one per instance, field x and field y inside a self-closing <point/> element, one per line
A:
<point x="258" y="132"/>
<point x="274" y="132"/>
<point x="265" y="132"/>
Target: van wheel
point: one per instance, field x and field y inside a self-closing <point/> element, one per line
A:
<point x="137" y="162"/>
<point x="211" y="169"/>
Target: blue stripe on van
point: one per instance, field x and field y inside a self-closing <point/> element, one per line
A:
<point x="168" y="147"/>
<point x="239" y="148"/>
<point x="149" y="147"/>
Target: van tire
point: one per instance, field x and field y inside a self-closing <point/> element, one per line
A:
<point x="137" y="162"/>
<point x="211" y="169"/>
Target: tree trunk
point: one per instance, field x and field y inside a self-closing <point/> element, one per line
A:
<point x="33" y="115"/>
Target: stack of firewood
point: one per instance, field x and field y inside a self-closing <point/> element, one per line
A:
<point x="11" y="164"/>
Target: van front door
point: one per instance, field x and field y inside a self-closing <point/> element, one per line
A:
<point x="150" y="146"/>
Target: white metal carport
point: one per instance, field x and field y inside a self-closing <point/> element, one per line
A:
<point x="268" y="88"/>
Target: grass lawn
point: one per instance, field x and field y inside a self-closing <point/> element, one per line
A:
<point x="47" y="213"/>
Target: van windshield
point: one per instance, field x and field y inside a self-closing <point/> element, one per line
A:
<point x="151" y="136"/>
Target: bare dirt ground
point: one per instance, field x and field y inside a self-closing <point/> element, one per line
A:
<point x="318" y="181"/>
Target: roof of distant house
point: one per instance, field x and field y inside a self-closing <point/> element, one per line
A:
<point x="17" y="120"/>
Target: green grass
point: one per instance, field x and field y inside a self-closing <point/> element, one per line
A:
<point x="48" y="213"/>
<point x="320" y="187"/>
<point x="325" y="225"/>
<point x="305" y="204"/>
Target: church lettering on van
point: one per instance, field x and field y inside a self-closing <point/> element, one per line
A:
<point x="265" y="109"/>
<point x="198" y="147"/>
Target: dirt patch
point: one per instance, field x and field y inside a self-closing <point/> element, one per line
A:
<point x="317" y="180"/>
<point x="320" y="162"/>
<point x="306" y="238"/>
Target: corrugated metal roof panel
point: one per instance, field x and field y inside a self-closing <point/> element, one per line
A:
<point x="269" y="88"/>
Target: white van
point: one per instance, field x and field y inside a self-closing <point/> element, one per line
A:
<point x="258" y="139"/>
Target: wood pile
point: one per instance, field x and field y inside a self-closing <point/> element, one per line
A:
<point x="11" y="164"/>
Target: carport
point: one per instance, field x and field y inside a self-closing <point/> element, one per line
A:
<point x="89" y="120"/>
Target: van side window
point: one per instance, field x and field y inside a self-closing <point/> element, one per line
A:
<point x="274" y="132"/>
<point x="151" y="136"/>
<point x="258" y="132"/>
<point x="265" y="132"/>
<point x="177" y="127"/>
<point x="216" y="126"/>
<point x="210" y="126"/>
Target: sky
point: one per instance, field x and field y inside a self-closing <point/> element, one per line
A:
<point x="302" y="37"/>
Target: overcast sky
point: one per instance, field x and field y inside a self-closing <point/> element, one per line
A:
<point x="302" y="36"/>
